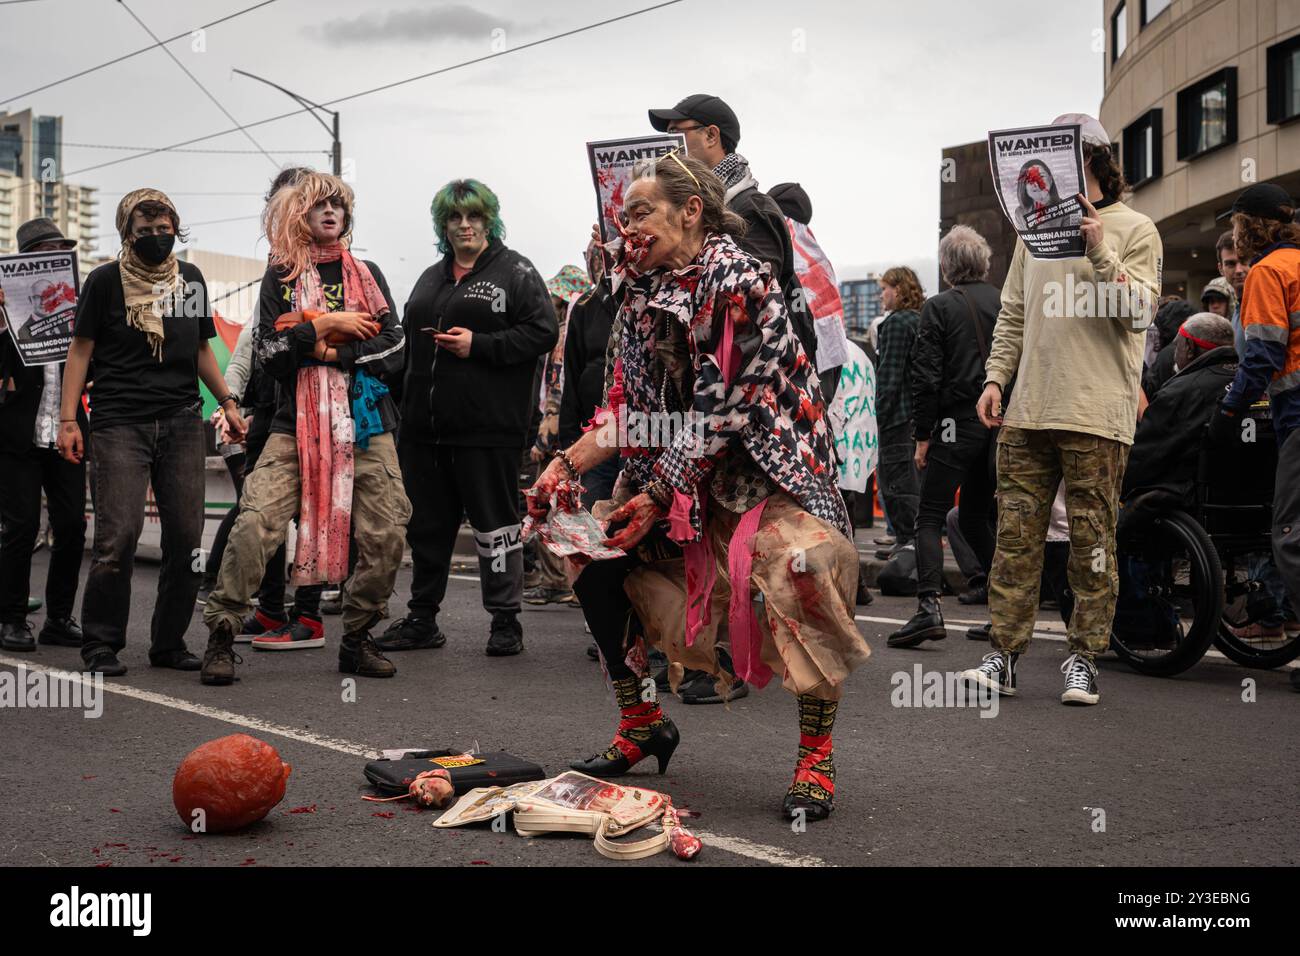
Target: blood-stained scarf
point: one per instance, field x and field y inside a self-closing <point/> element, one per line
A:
<point x="325" y="430"/>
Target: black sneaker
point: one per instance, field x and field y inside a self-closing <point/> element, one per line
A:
<point x="1080" y="680"/>
<point x="507" y="636"/>
<point x="331" y="601"/>
<point x="411" y="634"/>
<point x="260" y="623"/>
<point x="996" y="673"/>
<point x="105" y="662"/>
<point x="700" y="687"/>
<point x="17" y="637"/>
<point x="61" y="631"/>
<point x="925" y="625"/>
<point x="980" y="632"/>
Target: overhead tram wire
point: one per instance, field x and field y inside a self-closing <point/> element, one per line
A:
<point x="386" y="86"/>
<point x="206" y="92"/>
<point x="127" y="56"/>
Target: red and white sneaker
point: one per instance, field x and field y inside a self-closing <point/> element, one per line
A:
<point x="303" y="633"/>
<point x="259" y="623"/>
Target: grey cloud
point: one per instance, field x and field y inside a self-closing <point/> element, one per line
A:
<point x="451" y="21"/>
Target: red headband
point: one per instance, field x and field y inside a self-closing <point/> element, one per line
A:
<point x="1182" y="330"/>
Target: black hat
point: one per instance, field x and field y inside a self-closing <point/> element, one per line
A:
<point x="35" y="231"/>
<point x="793" y="200"/>
<point x="1265" y="201"/>
<point x="705" y="109"/>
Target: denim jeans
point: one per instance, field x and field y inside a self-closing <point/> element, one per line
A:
<point x="167" y="454"/>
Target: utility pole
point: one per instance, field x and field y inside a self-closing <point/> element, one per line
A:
<point x="336" y="154"/>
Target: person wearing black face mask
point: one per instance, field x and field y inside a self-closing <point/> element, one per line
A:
<point x="146" y="321"/>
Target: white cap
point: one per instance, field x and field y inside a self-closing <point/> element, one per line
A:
<point x="1092" y="131"/>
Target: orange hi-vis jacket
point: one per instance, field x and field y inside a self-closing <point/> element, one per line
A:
<point x="1270" y="318"/>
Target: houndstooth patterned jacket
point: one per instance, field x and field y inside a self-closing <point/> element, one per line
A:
<point x="768" y="405"/>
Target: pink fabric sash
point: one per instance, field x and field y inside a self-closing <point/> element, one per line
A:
<point x="325" y="469"/>
<point x="746" y="640"/>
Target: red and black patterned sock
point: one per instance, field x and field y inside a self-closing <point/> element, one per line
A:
<point x="814" y="775"/>
<point x="637" y="719"/>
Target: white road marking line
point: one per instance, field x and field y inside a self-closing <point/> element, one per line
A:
<point x="741" y="847"/>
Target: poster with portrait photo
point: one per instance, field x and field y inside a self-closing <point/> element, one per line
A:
<point x="40" y="303"/>
<point x="1038" y="175"/>
<point x="611" y="162"/>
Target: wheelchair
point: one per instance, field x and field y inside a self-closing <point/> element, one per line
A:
<point x="1187" y="574"/>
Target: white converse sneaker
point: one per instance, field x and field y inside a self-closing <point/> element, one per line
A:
<point x="996" y="673"/>
<point x="1080" y="680"/>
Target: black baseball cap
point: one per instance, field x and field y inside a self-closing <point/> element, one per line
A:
<point x="1265" y="201"/>
<point x="705" y="109"/>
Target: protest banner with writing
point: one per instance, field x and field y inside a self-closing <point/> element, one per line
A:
<point x="611" y="171"/>
<point x="853" y="420"/>
<point x="1038" y="175"/>
<point x="40" y="303"/>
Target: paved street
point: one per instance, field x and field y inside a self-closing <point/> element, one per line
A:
<point x="1184" y="770"/>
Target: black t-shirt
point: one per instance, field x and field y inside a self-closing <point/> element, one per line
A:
<point x="130" y="385"/>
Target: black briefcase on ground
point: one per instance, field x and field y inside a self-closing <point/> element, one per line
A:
<point x="499" y="769"/>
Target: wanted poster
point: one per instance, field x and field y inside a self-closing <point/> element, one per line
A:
<point x="611" y="163"/>
<point x="40" y="303"/>
<point x="1038" y="175"/>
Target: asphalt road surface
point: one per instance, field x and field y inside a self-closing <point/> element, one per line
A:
<point x="1177" y="772"/>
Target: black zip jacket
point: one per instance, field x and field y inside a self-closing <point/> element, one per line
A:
<point x="281" y="354"/>
<point x="19" y="407"/>
<point x="487" y="399"/>
<point x="585" y="345"/>
<point x="947" y="364"/>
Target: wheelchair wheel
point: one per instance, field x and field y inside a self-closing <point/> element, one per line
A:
<point x="1247" y="646"/>
<point x="1171" y="595"/>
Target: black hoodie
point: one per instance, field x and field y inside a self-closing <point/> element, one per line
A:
<point x="485" y="400"/>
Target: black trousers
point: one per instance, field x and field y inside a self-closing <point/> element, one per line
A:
<point x="446" y="483"/>
<point x="605" y="604"/>
<point x="898" y="480"/>
<point x="962" y="462"/>
<point x="22" y="476"/>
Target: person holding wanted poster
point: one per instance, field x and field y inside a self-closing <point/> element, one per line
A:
<point x="146" y="320"/>
<point x="29" y="463"/>
<point x="328" y="334"/>
<point x="1071" y="332"/>
<point x="741" y="501"/>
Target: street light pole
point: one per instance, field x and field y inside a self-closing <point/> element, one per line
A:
<point x="336" y="154"/>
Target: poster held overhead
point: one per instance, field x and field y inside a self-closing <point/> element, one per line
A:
<point x="1038" y="176"/>
<point x="611" y="163"/>
<point x="40" y="303"/>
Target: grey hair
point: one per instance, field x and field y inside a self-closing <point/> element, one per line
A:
<point x="964" y="256"/>
<point x="1210" y="328"/>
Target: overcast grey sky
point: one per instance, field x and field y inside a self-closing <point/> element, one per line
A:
<point x="854" y="100"/>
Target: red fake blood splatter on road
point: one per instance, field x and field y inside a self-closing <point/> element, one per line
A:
<point x="114" y="810"/>
<point x="479" y="863"/>
<point x="386" y="816"/>
<point x="248" y="862"/>
<point x="88" y="776"/>
<point x="101" y="865"/>
<point x="190" y="837"/>
<point x="175" y="859"/>
<point x="307" y="809"/>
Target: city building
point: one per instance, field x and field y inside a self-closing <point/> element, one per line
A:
<point x="31" y="167"/>
<point x="1202" y="99"/>
<point x="861" y="298"/>
<point x="967" y="198"/>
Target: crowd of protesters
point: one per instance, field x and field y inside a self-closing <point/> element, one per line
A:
<point x="374" y="430"/>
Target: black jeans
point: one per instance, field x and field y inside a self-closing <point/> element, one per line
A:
<point x="898" y="481"/>
<point x="445" y="484"/>
<point x="961" y="462"/>
<point x="22" y="476"/>
<point x="167" y="455"/>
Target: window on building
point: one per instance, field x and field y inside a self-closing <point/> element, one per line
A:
<point x="1152" y="9"/>
<point x="1284" y="81"/>
<point x="1118" y="32"/>
<point x="1207" y="114"/>
<point x="1141" y="149"/>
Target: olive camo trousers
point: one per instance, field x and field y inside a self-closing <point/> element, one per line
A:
<point x="1031" y="466"/>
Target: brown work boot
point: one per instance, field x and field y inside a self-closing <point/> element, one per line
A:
<point x="220" y="658"/>
<point x="359" y="655"/>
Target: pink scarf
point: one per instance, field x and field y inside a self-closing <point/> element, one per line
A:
<point x="324" y="431"/>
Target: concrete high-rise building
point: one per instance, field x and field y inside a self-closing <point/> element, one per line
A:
<point x="1202" y="99"/>
<point x="861" y="299"/>
<point x="967" y="198"/>
<point x="31" y="167"/>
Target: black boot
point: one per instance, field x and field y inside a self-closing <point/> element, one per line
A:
<point x="980" y="632"/>
<point x="16" y="637"/>
<point x="359" y="655"/>
<point x="926" y="625"/>
<point x="61" y="631"/>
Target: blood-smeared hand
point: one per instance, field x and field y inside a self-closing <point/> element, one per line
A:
<point x="640" y="514"/>
<point x="539" y="495"/>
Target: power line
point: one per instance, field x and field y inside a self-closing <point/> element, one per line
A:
<point x="386" y="86"/>
<point x="213" y="222"/>
<point x="127" y="56"/>
<point x="184" y="69"/>
<point x="222" y="152"/>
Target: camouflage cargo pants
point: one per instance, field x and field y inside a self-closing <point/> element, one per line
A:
<point x="1031" y="465"/>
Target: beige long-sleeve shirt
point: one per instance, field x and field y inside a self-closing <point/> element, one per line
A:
<point x="1072" y="331"/>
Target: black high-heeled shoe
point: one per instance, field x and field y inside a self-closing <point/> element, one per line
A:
<point x="799" y="804"/>
<point x="618" y="760"/>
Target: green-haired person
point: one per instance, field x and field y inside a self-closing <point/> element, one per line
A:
<point x="476" y="324"/>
